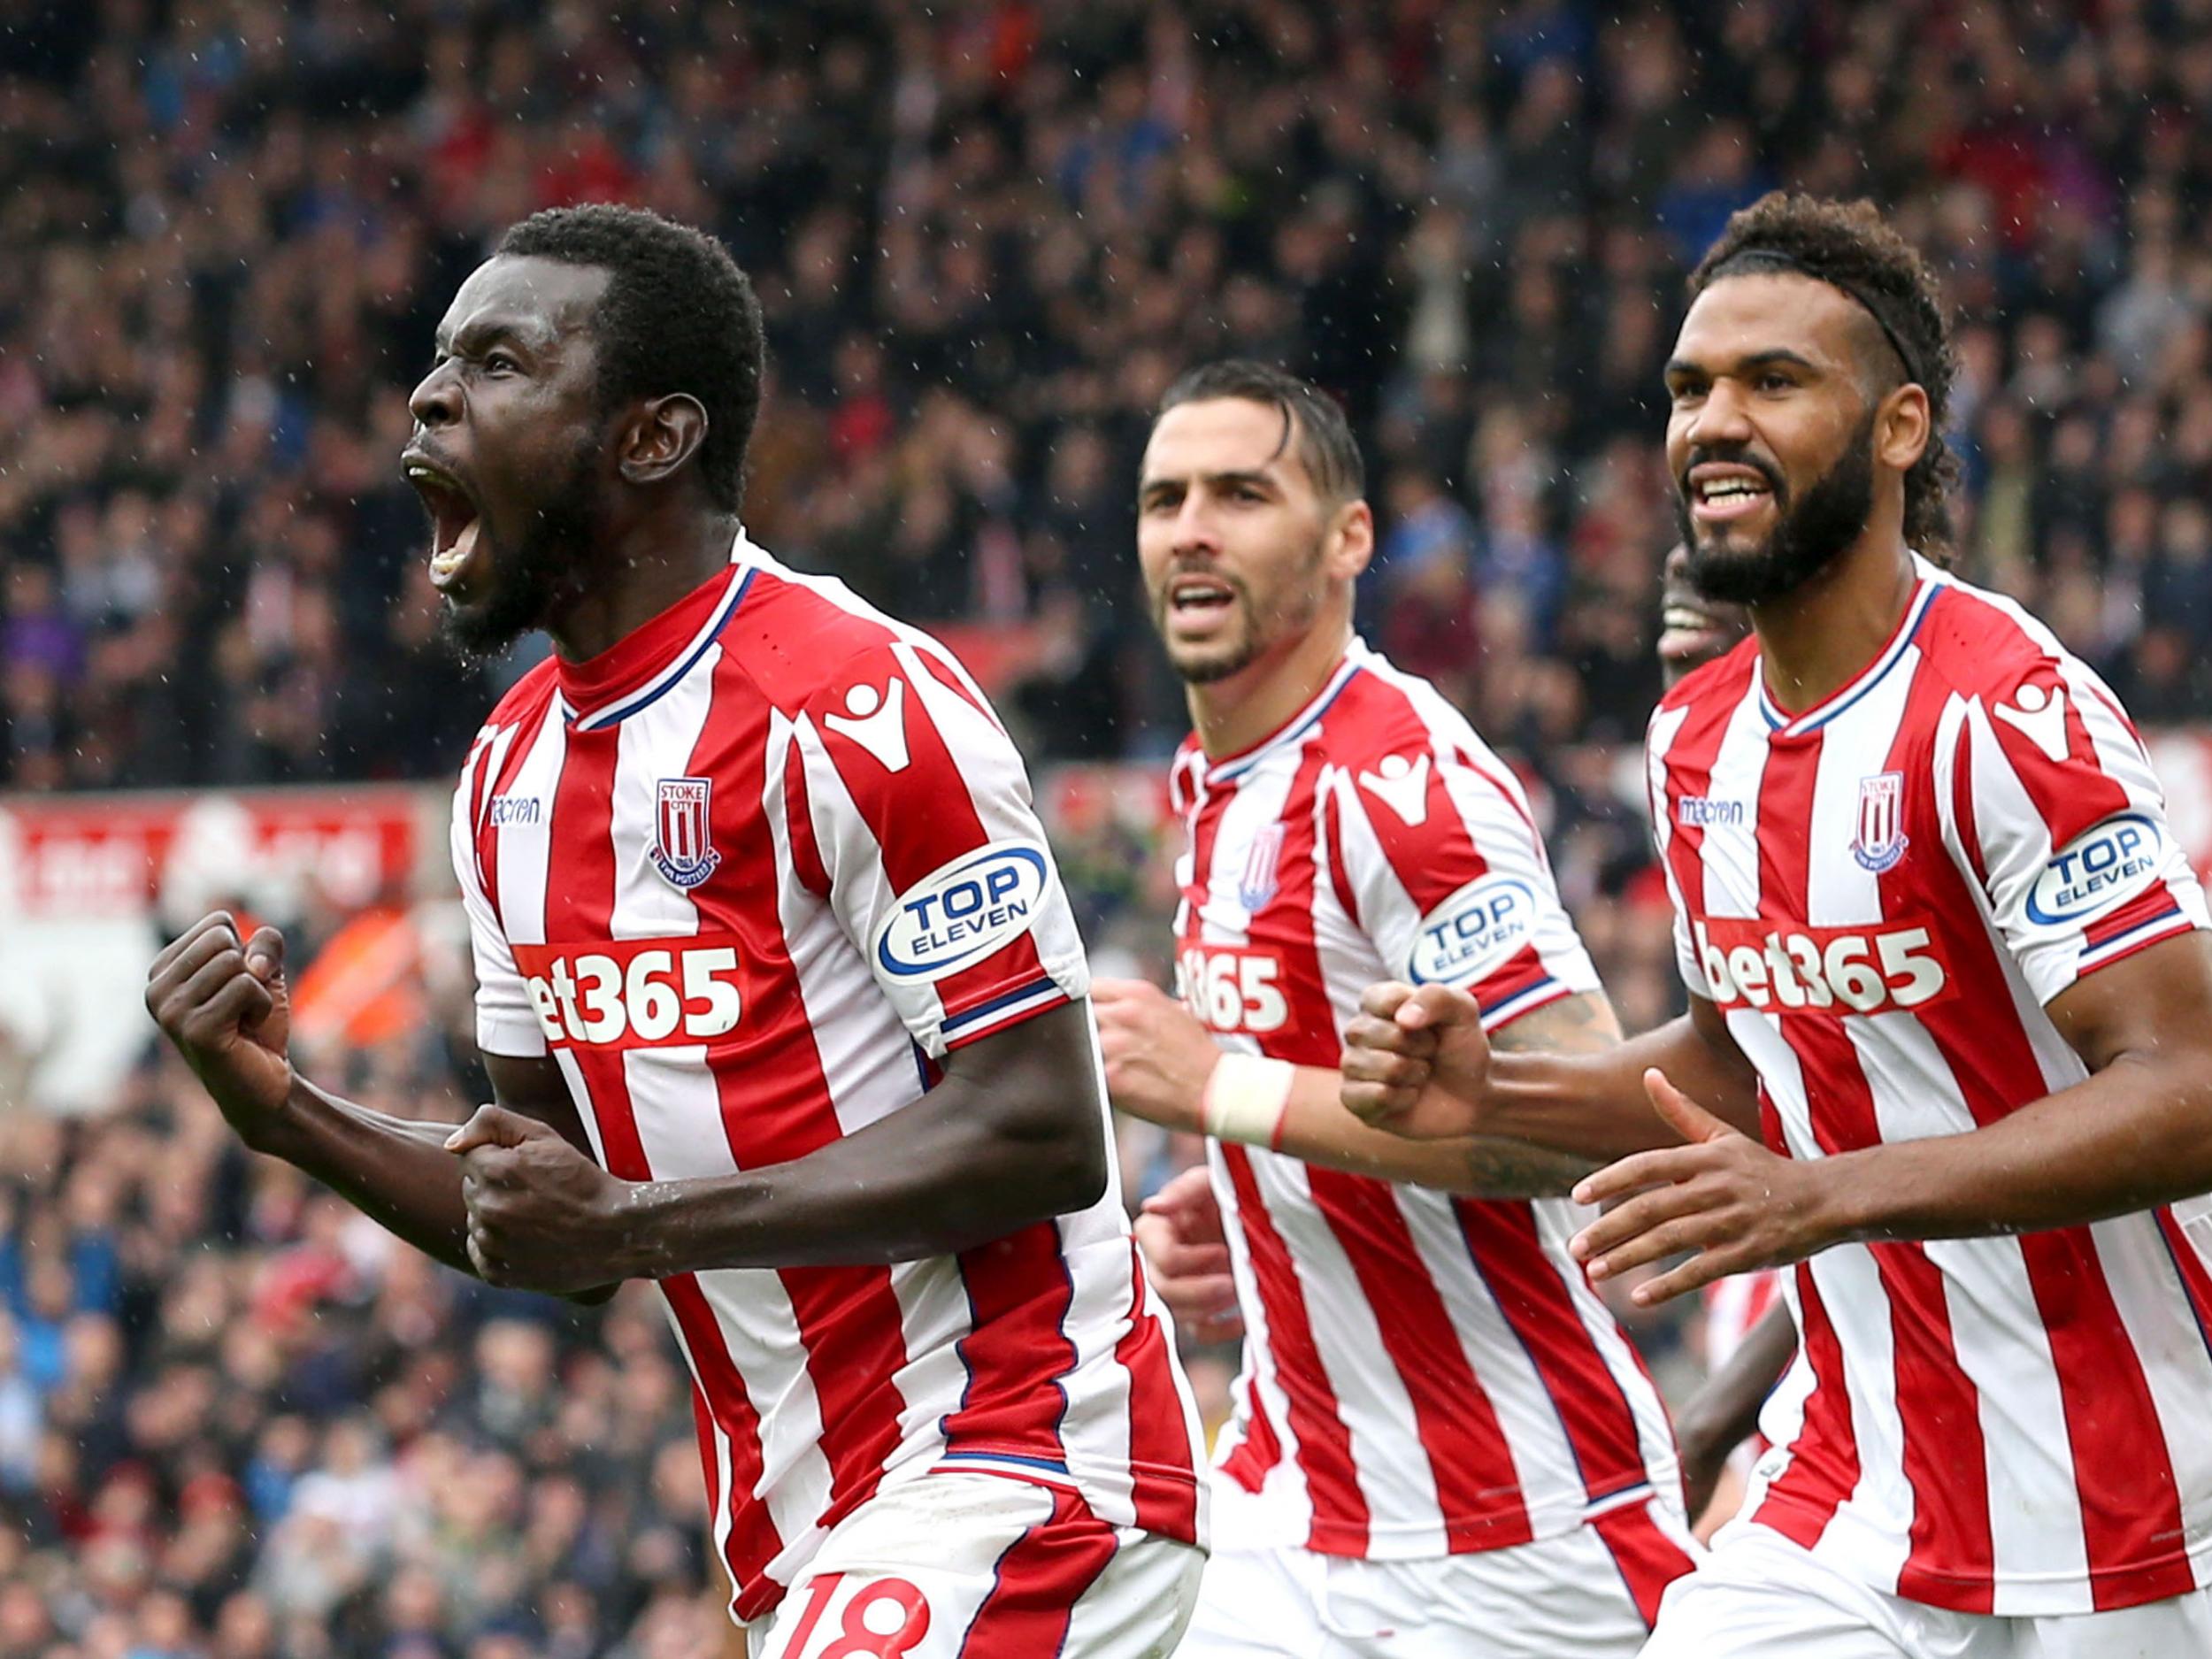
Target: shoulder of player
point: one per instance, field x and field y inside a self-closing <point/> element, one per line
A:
<point x="1727" y="675"/>
<point x="524" y="704"/>
<point x="525" y="697"/>
<point x="1383" y="711"/>
<point x="1983" y="643"/>
<point x="810" y="643"/>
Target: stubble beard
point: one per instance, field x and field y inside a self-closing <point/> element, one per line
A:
<point x="1299" y="605"/>
<point x="547" y="565"/>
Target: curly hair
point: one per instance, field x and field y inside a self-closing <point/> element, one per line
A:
<point x="1325" y="445"/>
<point x="677" y="315"/>
<point x="1850" y="246"/>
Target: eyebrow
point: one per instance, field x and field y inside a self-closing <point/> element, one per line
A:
<point x="1745" y="365"/>
<point x="1234" y="475"/>
<point x="482" y="334"/>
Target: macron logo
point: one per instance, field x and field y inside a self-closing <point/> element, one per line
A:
<point x="2040" y="717"/>
<point x="876" y="720"/>
<point x="1701" y="812"/>
<point x="1402" y="785"/>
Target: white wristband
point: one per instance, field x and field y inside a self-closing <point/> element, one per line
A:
<point x="1248" y="1099"/>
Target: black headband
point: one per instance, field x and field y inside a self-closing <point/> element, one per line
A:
<point x="1875" y="306"/>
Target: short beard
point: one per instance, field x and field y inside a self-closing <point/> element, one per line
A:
<point x="528" y="582"/>
<point x="1808" y="536"/>
<point x="1257" y="640"/>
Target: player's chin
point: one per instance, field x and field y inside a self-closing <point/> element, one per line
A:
<point x="1201" y="665"/>
<point x="478" y="626"/>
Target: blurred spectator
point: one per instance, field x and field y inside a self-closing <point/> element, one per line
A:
<point x="984" y="237"/>
<point x="191" y="1481"/>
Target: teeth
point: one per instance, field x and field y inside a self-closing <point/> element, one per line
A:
<point x="1681" y="617"/>
<point x="1728" y="489"/>
<point x="445" y="563"/>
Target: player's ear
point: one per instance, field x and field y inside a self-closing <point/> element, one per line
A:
<point x="1351" y="541"/>
<point x="1901" y="428"/>
<point x="661" y="434"/>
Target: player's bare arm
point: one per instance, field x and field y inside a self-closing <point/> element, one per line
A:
<point x="1418" y="1065"/>
<point x="1014" y="1134"/>
<point x="223" y="1003"/>
<point x="2135" y="1134"/>
<point x="1725" y="1413"/>
<point x="1163" y="1066"/>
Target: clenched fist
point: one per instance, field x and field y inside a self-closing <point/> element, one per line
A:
<point x="541" y="1216"/>
<point x="1416" y="1062"/>
<point x="224" y="1004"/>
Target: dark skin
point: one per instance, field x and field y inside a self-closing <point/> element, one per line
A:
<point x="1725" y="1413"/>
<point x="1778" y="362"/>
<point x="1014" y="1134"/>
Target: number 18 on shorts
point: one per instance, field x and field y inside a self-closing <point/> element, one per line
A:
<point x="974" y="1566"/>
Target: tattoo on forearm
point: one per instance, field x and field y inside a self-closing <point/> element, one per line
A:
<point x="1581" y="1023"/>
<point x="1498" y="1168"/>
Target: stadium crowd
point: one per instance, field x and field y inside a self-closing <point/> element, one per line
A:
<point x="232" y="1418"/>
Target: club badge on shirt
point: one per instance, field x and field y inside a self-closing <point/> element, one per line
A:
<point x="683" y="848"/>
<point x="1882" y="839"/>
<point x="1257" y="885"/>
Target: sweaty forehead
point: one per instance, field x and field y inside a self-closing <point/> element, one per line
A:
<point x="542" y="300"/>
<point x="1742" y="317"/>
<point x="1221" y="434"/>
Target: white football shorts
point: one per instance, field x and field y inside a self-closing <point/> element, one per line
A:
<point x="1759" y="1596"/>
<point x="975" y="1566"/>
<point x="1589" y="1593"/>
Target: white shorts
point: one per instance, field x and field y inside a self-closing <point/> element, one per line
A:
<point x="984" y="1568"/>
<point x="1761" y="1596"/>
<point x="1586" y="1594"/>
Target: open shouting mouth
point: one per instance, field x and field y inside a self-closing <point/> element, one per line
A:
<point x="455" y="518"/>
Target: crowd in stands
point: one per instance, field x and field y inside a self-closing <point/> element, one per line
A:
<point x="237" y="1419"/>
<point x="987" y="234"/>
<point x="234" y="1419"/>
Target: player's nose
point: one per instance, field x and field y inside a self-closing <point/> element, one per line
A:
<point x="1195" y="533"/>
<point x="1721" y="418"/>
<point x="436" y="399"/>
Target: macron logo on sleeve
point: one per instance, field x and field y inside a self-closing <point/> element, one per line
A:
<point x="1401" y="784"/>
<point x="2040" y="717"/>
<point x="876" y="720"/>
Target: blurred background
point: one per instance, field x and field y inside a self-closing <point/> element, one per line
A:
<point x="234" y="1419"/>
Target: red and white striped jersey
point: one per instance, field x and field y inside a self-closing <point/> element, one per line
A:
<point x="749" y="877"/>
<point x="1423" y="1375"/>
<point x="1881" y="894"/>
<point x="1733" y="1308"/>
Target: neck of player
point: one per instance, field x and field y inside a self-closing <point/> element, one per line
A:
<point x="1816" y="640"/>
<point x="643" y="567"/>
<point x="1233" y="714"/>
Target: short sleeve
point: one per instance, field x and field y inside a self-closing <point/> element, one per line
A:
<point x="2063" y="824"/>
<point x="937" y="865"/>
<point x="1450" y="880"/>
<point x="506" y="1024"/>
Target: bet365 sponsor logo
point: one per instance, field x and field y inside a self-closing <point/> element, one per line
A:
<point x="1873" y="969"/>
<point x="1230" y="988"/>
<point x="964" y="911"/>
<point x="634" y="993"/>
